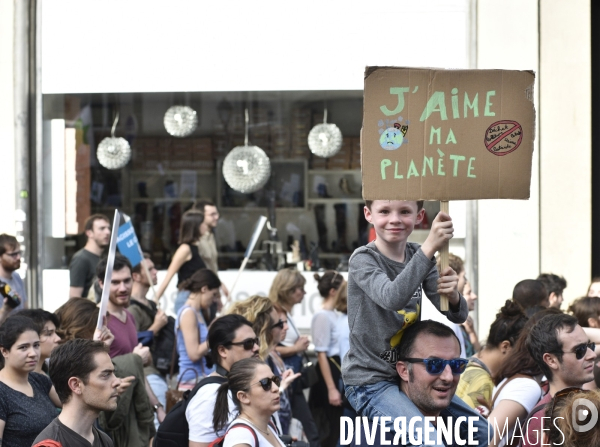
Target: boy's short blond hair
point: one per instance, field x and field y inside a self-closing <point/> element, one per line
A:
<point x="368" y="204"/>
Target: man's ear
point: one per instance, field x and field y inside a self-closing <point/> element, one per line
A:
<point x="75" y="385"/>
<point x="136" y="277"/>
<point x="420" y="216"/>
<point x="551" y="360"/>
<point x="4" y="352"/>
<point x="402" y="370"/>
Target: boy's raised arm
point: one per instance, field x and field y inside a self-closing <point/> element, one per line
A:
<point x="373" y="279"/>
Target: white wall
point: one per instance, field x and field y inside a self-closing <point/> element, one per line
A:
<point x="229" y="45"/>
<point x="565" y="138"/>
<point x="7" y="150"/>
<point x="509" y="249"/>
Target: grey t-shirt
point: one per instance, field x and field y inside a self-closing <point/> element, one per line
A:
<point x="59" y="432"/>
<point x="82" y="270"/>
<point x="384" y="298"/>
<point x="16" y="283"/>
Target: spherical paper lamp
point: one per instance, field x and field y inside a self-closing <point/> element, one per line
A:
<point x="180" y="121"/>
<point x="113" y="152"/>
<point x="246" y="169"/>
<point x="325" y="140"/>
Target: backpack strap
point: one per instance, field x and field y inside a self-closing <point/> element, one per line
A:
<point x="206" y="381"/>
<point x="241" y="424"/>
<point x="149" y="311"/>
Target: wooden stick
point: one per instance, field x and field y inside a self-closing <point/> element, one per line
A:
<point x="444" y="208"/>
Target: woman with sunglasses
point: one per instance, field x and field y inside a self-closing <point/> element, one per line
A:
<point x="28" y="400"/>
<point x="254" y="390"/>
<point x="268" y="326"/>
<point x="191" y="328"/>
<point x="325" y="398"/>
<point x="287" y="290"/>
<point x="517" y="388"/>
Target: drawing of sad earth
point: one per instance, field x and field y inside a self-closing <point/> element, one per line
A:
<point x="392" y="137"/>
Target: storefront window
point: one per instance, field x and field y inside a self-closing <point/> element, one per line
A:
<point x="312" y="200"/>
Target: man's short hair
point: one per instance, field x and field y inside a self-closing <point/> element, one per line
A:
<point x="74" y="358"/>
<point x="553" y="283"/>
<point x="427" y="327"/>
<point x="543" y="338"/>
<point x="420" y="203"/>
<point x="585" y="308"/>
<point x="138" y="268"/>
<point x="7" y="242"/>
<point x="201" y="204"/>
<point x="529" y="293"/>
<point x="89" y="222"/>
<point x="120" y="262"/>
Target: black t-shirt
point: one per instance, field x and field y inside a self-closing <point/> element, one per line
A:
<point x="25" y="417"/>
<point x="82" y="270"/>
<point x="59" y="432"/>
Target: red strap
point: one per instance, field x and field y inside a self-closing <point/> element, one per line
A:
<point x="48" y="443"/>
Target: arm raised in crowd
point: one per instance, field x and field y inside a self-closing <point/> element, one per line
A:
<point x="181" y="256"/>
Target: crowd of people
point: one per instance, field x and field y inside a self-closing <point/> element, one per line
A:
<point x="244" y="371"/>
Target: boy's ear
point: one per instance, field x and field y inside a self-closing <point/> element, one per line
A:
<point x="420" y="216"/>
<point x="367" y="214"/>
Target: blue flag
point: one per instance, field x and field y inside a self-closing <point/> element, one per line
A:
<point x="128" y="244"/>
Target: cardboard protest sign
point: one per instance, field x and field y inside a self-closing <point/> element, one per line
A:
<point x="447" y="134"/>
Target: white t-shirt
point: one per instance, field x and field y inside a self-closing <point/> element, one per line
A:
<point x="199" y="414"/>
<point x="325" y="332"/>
<point x="241" y="435"/>
<point x="344" y="335"/>
<point x="292" y="334"/>
<point x="526" y="392"/>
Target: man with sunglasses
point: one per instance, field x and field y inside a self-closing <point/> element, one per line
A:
<point x="230" y="339"/>
<point x="566" y="357"/>
<point x="10" y="262"/>
<point x="429" y="366"/>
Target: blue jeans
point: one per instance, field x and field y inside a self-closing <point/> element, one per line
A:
<point x="159" y="388"/>
<point x="385" y="399"/>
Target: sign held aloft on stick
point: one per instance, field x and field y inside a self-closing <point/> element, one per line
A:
<point x="447" y="134"/>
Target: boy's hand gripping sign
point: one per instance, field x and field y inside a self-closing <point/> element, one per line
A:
<point x="447" y="134"/>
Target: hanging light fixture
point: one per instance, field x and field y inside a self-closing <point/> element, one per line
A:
<point x="113" y="152"/>
<point x="325" y="140"/>
<point x="180" y="121"/>
<point x="246" y="168"/>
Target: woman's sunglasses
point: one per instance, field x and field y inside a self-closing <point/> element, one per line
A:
<point x="436" y="366"/>
<point x="279" y="324"/>
<point x="267" y="381"/>
<point x="247" y="344"/>
<point x="581" y="350"/>
<point x="564" y="393"/>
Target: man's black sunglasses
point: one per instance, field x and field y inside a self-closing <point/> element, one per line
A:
<point x="267" y="381"/>
<point x="581" y="350"/>
<point x="247" y="344"/>
<point x="436" y="366"/>
<point x="279" y="324"/>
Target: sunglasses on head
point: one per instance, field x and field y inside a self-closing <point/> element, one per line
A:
<point x="564" y="393"/>
<point x="247" y="344"/>
<point x="279" y="324"/>
<point x="436" y="366"/>
<point x="581" y="350"/>
<point x="267" y="381"/>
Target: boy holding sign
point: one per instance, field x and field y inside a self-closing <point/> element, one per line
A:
<point x="385" y="284"/>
